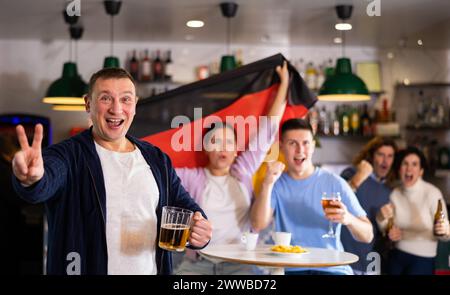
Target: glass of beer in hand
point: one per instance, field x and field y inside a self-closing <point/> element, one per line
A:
<point x="326" y="203"/>
<point x="175" y="226"/>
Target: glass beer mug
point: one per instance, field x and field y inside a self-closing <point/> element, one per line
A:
<point x="175" y="227"/>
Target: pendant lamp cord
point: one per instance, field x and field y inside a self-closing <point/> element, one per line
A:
<point x="228" y="35"/>
<point x="112" y="34"/>
<point x="343" y="43"/>
<point x="76" y="51"/>
<point x="70" y="50"/>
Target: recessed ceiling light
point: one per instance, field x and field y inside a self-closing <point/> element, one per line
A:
<point x="406" y="81"/>
<point x="195" y="24"/>
<point x="337" y="40"/>
<point x="390" y="55"/>
<point x="189" y="37"/>
<point x="420" y="42"/>
<point x="343" y="26"/>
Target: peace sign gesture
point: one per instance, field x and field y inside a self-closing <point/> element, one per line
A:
<point x="28" y="165"/>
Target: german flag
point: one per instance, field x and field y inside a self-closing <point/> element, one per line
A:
<point x="246" y="91"/>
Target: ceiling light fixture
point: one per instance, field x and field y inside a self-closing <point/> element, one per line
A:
<point x="195" y="24"/>
<point x="343" y="26"/>
<point x="228" y="61"/>
<point x="70" y="88"/>
<point x="343" y="85"/>
<point x="69" y="108"/>
<point x="344" y="12"/>
<point x="112" y="8"/>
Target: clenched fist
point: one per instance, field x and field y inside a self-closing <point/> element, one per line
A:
<point x="274" y="170"/>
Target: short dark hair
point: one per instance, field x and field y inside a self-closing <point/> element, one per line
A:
<point x="295" y="124"/>
<point x="411" y="150"/>
<point x="108" y="73"/>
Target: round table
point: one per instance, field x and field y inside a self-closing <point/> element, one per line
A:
<point x="263" y="256"/>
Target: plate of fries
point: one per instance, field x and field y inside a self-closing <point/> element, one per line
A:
<point x="288" y="250"/>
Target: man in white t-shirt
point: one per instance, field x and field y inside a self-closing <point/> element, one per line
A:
<point x="104" y="190"/>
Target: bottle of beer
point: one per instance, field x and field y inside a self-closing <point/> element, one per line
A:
<point x="389" y="225"/>
<point x="439" y="216"/>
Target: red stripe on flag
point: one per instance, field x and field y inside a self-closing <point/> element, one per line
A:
<point x="255" y="104"/>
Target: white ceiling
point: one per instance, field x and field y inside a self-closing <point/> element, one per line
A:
<point x="295" y="22"/>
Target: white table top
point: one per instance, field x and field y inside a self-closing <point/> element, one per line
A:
<point x="263" y="256"/>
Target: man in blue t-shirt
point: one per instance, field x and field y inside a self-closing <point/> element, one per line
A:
<point x="295" y="199"/>
<point x="368" y="179"/>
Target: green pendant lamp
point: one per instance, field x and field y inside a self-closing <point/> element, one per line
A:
<point x="70" y="88"/>
<point x="67" y="90"/>
<point x="228" y="61"/>
<point x="112" y="8"/>
<point x="343" y="85"/>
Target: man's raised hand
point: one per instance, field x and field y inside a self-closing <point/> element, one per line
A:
<point x="28" y="165"/>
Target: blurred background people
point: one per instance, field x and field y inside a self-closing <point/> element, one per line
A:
<point x="370" y="178"/>
<point x="409" y="218"/>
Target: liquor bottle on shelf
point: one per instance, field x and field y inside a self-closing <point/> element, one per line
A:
<point x="239" y="61"/>
<point x="158" y="67"/>
<point x="345" y="120"/>
<point x="314" y="120"/>
<point x="444" y="158"/>
<point x="355" y="122"/>
<point x="420" y="110"/>
<point x="324" y="123"/>
<point x="311" y="76"/>
<point x="168" y="66"/>
<point x="134" y="66"/>
<point x="329" y="69"/>
<point x="320" y="77"/>
<point x="366" y="122"/>
<point x="146" y="68"/>
<point x="336" y="126"/>
<point x="300" y="66"/>
<point x="385" y="114"/>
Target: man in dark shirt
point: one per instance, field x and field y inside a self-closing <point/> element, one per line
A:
<point x="369" y="178"/>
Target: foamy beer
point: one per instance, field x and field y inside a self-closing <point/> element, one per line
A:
<point x="175" y="226"/>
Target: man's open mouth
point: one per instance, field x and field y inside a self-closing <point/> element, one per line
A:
<point x="299" y="160"/>
<point x="114" y="123"/>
